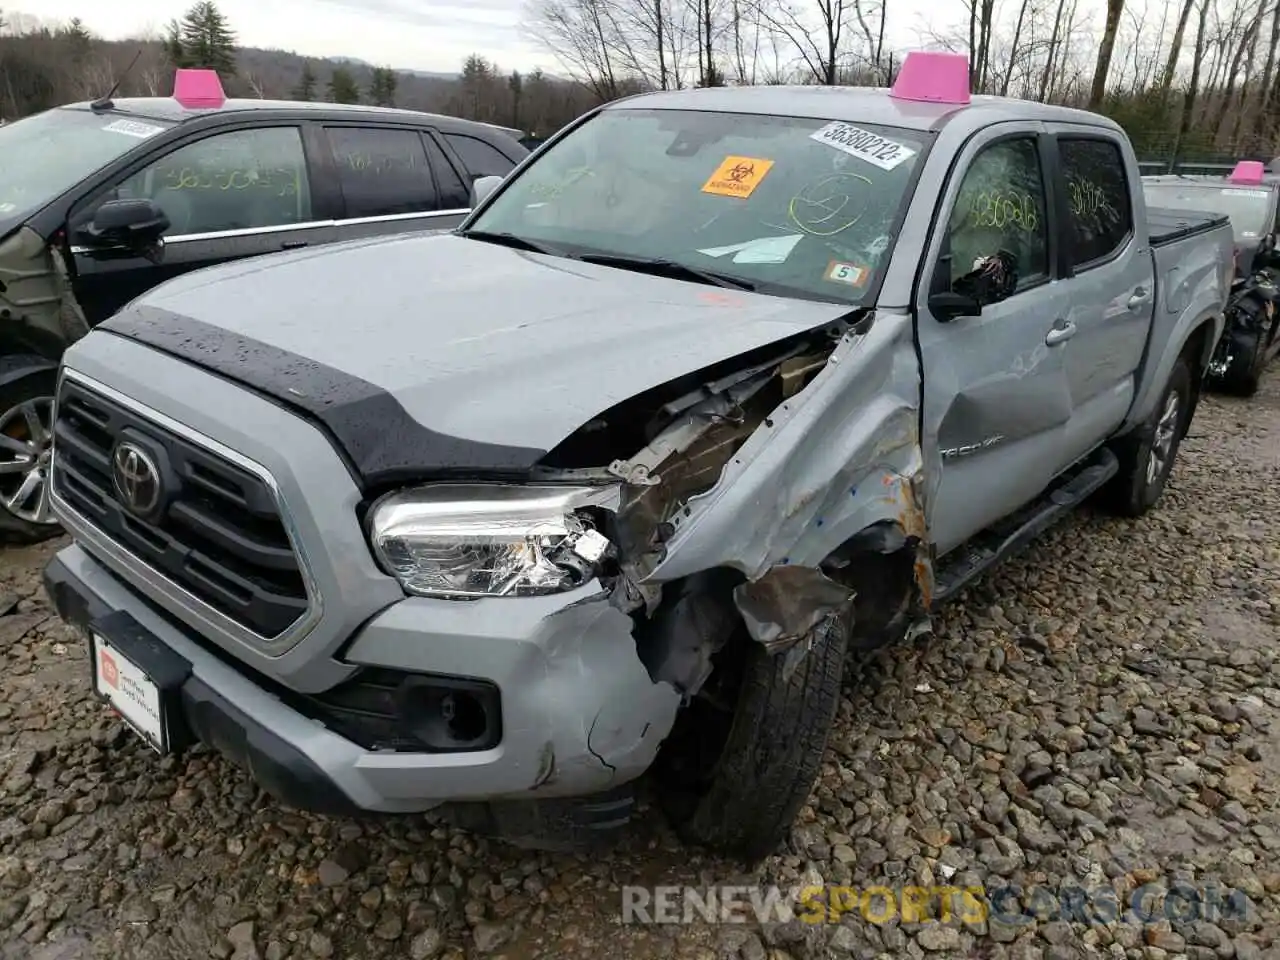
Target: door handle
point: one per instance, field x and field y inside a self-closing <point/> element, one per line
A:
<point x="1139" y="297"/>
<point x="1062" y="331"/>
<point x="293" y="245"/>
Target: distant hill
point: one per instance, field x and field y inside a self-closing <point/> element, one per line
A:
<point x="39" y="69"/>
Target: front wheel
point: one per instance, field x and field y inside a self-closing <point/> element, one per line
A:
<point x="26" y="438"/>
<point x="743" y="757"/>
<point x="1147" y="455"/>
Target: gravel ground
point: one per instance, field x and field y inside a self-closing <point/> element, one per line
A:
<point x="1099" y="715"/>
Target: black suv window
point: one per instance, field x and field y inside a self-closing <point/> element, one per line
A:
<point x="454" y="194"/>
<point x="481" y="159"/>
<point x="1100" y="214"/>
<point x="1000" y="210"/>
<point x="231" y="181"/>
<point x="382" y="172"/>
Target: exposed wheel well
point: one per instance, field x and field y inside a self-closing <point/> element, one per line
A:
<point x="21" y="339"/>
<point x="1197" y="352"/>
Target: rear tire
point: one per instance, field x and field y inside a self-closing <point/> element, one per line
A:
<point x="734" y="778"/>
<point x="1248" y="354"/>
<point x="1147" y="455"/>
<point x="26" y="427"/>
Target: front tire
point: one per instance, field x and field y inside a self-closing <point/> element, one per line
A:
<point x="741" y="762"/>
<point x="1148" y="454"/>
<point x="26" y="437"/>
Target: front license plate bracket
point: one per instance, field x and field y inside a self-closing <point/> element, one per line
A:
<point x="144" y="652"/>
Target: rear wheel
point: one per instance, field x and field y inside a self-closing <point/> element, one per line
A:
<point x="26" y="438"/>
<point x="1246" y="355"/>
<point x="743" y="757"/>
<point x="1147" y="455"/>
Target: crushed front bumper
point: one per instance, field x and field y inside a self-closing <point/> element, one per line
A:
<point x="580" y="715"/>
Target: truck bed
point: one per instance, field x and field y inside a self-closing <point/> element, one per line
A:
<point x="1169" y="226"/>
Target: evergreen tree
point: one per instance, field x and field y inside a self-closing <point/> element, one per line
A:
<point x="515" y="83"/>
<point x="172" y="43"/>
<point x="79" y="39"/>
<point x="382" y="87"/>
<point x="306" y="88"/>
<point x="202" y="39"/>
<point x="477" y="79"/>
<point x="342" y="87"/>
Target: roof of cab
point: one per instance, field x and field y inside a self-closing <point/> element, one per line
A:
<point x="167" y="108"/>
<point x="859" y="105"/>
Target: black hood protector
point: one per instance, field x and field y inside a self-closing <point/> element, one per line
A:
<point x="381" y="443"/>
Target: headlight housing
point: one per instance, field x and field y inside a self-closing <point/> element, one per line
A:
<point x="490" y="540"/>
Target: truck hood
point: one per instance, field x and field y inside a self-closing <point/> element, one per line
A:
<point x="429" y="353"/>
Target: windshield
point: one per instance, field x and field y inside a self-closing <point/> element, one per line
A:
<point x="45" y="154"/>
<point x="800" y="207"/>
<point x="1247" y="207"/>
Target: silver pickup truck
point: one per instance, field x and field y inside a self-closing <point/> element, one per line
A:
<point x="717" y="388"/>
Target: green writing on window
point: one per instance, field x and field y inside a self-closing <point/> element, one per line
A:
<point x="1004" y="209"/>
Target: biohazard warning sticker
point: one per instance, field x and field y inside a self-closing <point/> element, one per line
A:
<point x="737" y="177"/>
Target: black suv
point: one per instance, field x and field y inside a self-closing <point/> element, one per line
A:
<point x="101" y="201"/>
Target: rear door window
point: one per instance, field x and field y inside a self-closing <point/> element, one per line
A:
<point x="481" y="159"/>
<point x="1099" y="214"/>
<point x="454" y="193"/>
<point x="383" y="171"/>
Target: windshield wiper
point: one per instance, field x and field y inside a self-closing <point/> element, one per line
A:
<point x="667" y="268"/>
<point x="511" y="240"/>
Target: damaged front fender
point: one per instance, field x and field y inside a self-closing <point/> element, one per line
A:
<point x="840" y="457"/>
<point x="36" y="300"/>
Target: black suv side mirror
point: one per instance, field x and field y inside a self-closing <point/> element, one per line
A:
<point x="136" y="225"/>
<point x="947" y="305"/>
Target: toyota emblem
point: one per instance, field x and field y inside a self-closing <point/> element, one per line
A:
<point x="136" y="478"/>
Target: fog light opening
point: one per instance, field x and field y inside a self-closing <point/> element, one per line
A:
<point x="450" y="713"/>
<point x="463" y="715"/>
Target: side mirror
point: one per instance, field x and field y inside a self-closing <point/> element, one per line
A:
<point x="482" y="188"/>
<point x="947" y="306"/>
<point x="136" y="225"/>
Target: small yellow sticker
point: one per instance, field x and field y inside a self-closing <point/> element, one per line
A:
<point x="737" y="177"/>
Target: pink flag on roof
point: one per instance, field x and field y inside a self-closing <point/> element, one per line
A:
<point x="1248" y="171"/>
<point x="198" y="89"/>
<point x="933" y="77"/>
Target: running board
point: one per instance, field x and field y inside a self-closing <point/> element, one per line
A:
<point x="997" y="543"/>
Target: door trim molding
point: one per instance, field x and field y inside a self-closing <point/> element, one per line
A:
<point x="291" y="227"/>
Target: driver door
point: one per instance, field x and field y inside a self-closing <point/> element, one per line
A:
<point x="996" y="396"/>
<point x="228" y="196"/>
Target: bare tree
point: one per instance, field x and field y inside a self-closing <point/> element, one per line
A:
<point x="1189" y="100"/>
<point x="1013" y="50"/>
<point x="1105" y="49"/>
<point x="579" y="34"/>
<point x="1175" y="49"/>
<point x="821" y="50"/>
<point x="1245" y="21"/>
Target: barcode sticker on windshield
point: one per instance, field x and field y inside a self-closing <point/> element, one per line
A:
<point x="132" y="128"/>
<point x="874" y="149"/>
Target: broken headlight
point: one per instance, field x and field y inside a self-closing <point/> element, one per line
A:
<point x="456" y="540"/>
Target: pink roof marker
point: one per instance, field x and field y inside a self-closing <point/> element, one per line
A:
<point x="198" y="89"/>
<point x="933" y="77"/>
<point x="1248" y="171"/>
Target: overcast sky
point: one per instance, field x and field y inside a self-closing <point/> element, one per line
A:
<point x="408" y="34"/>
